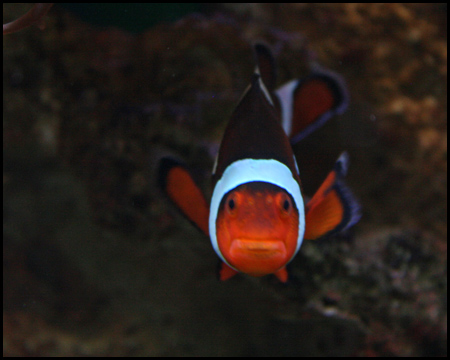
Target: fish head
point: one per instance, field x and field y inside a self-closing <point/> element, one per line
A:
<point x="257" y="228"/>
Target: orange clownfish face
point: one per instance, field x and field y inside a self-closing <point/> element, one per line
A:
<point x="257" y="228"/>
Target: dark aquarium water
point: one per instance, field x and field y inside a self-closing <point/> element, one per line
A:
<point x="97" y="262"/>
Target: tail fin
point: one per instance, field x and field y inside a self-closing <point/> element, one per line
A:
<point x="177" y="183"/>
<point x="333" y="208"/>
<point x="306" y="104"/>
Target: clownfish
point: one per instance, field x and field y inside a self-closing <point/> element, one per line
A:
<point x="257" y="218"/>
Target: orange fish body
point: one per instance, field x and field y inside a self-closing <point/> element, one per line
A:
<point x="257" y="218"/>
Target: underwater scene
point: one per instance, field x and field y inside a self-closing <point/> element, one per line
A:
<point x="225" y="179"/>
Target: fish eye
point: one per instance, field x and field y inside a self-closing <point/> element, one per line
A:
<point x="284" y="203"/>
<point x="231" y="204"/>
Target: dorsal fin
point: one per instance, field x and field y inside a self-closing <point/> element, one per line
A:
<point x="265" y="64"/>
<point x="254" y="130"/>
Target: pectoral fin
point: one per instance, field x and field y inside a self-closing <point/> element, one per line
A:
<point x="177" y="183"/>
<point x="333" y="207"/>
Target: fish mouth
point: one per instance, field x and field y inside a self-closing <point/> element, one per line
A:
<point x="258" y="248"/>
